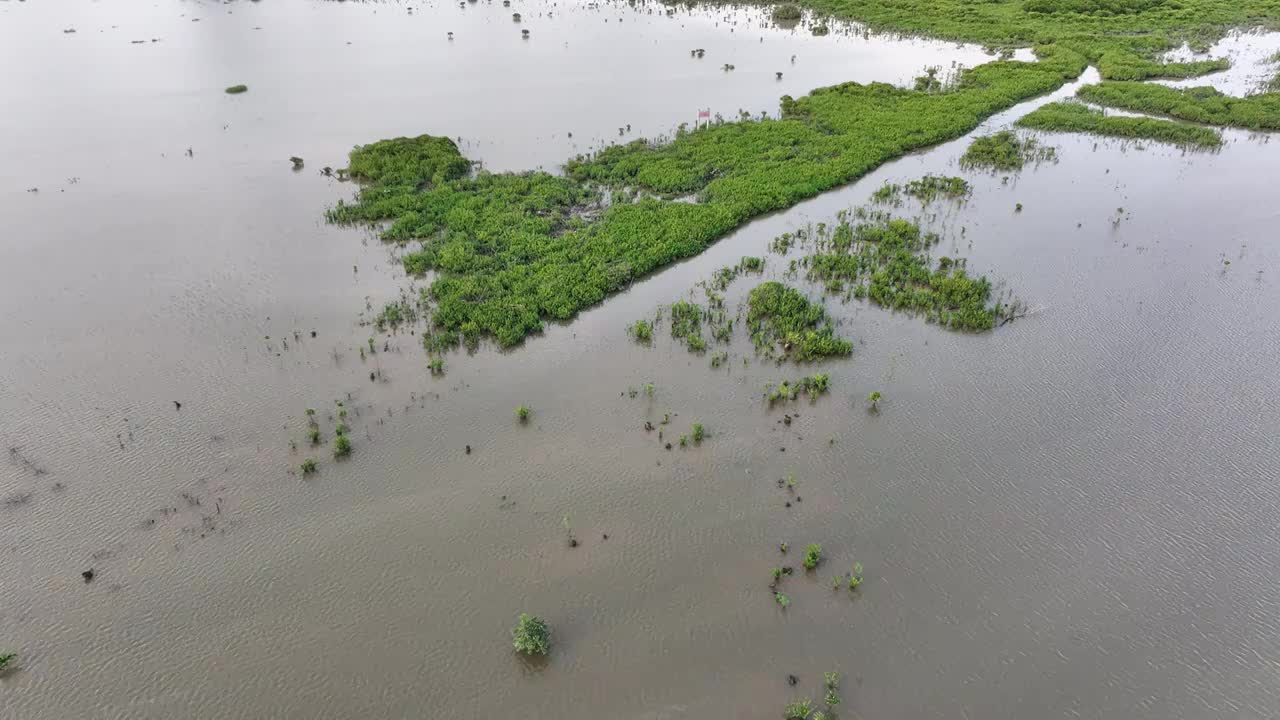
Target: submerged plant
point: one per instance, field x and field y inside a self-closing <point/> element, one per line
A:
<point x="308" y="466"/>
<point x="531" y="635"/>
<point x="698" y="432"/>
<point x="436" y="365"/>
<point x="522" y="413"/>
<point x="812" y="556"/>
<point x="798" y="710"/>
<point x="641" y="330"/>
<point x="781" y="599"/>
<point x="855" y="578"/>
<point x="782" y="319"/>
<point x="341" y="446"/>
<point x="874" y="399"/>
<point x="313" y="435"/>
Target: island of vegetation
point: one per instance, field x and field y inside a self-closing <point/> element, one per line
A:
<point x="510" y="251"/>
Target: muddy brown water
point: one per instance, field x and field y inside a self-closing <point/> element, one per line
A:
<point x="1072" y="516"/>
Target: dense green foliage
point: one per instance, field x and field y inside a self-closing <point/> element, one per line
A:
<point x="782" y="319"/>
<point x="308" y="466"/>
<point x="1077" y="117"/>
<point x="1004" y="151"/>
<point x="510" y="251"/>
<point x="1198" y="104"/>
<point x="531" y="635"/>
<point x="887" y="262"/>
<point x="5" y="660"/>
<point x="237" y="89"/>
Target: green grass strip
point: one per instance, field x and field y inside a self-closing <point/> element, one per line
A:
<point x="1076" y="117"/>
<point x="1199" y="104"/>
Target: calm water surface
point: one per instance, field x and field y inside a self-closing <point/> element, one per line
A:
<point x="1070" y="517"/>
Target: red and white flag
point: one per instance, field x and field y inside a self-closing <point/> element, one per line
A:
<point x="704" y="114"/>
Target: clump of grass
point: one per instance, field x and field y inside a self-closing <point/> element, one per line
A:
<point x="781" y="599"/>
<point x="821" y="30"/>
<point x="812" y="556"/>
<point x="787" y="13"/>
<point x="436" y="365"/>
<point x="313" y="435"/>
<point x="341" y="446"/>
<point x="698" y="432"/>
<point x="308" y="466"/>
<point x="686" y="325"/>
<point x="522" y="413"/>
<point x="926" y="189"/>
<point x="641" y="330"/>
<point x="393" y="314"/>
<point x="873" y="398"/>
<point x="782" y="319"/>
<point x="886" y="261"/>
<point x="6" y="660"/>
<point x="719" y="358"/>
<point x="237" y="89"/>
<point x="1004" y="151"/>
<point x="1080" y="118"/>
<point x="531" y="635"/>
<point x="812" y="385"/>
<point x="648" y="389"/>
<point x="798" y="710"/>
<point x="855" y="577"/>
<point x="1198" y="104"/>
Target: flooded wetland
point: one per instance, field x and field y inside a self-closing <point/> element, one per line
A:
<point x="958" y="382"/>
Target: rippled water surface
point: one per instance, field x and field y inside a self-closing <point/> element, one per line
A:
<point x="1071" y="516"/>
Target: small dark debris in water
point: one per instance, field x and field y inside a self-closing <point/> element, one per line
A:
<point x="668" y="446"/>
<point x="606" y="536"/>
<point x="313" y="333"/>
<point x="371" y="379"/>
<point x="87" y="575"/>
<point x="648" y="426"/>
<point x="792" y="680"/>
<point x="136" y="42"/>
<point x="798" y="498"/>
<point x="468" y="449"/>
<point x="524" y="33"/>
<point x="573" y="542"/>
<point x="786" y="419"/>
<point x="297" y="162"/>
<point x="177" y="405"/>
<point x="33" y="189"/>
<point x="787" y="569"/>
<point x="788" y="503"/>
<point x="779" y="74"/>
<point x="326" y="171"/>
<point x="68" y="31"/>
<point x="782" y="449"/>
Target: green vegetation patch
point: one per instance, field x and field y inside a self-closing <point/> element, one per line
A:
<point x="782" y="319"/>
<point x="787" y="13"/>
<point x="926" y="189"/>
<point x="510" y="251"/>
<point x="686" y="325"/>
<point x="887" y="262"/>
<point x="237" y="89"/>
<point x="1077" y="117"/>
<point x="1198" y="104"/>
<point x="1004" y="151"/>
<point x="812" y="385"/>
<point x="532" y="635"/>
